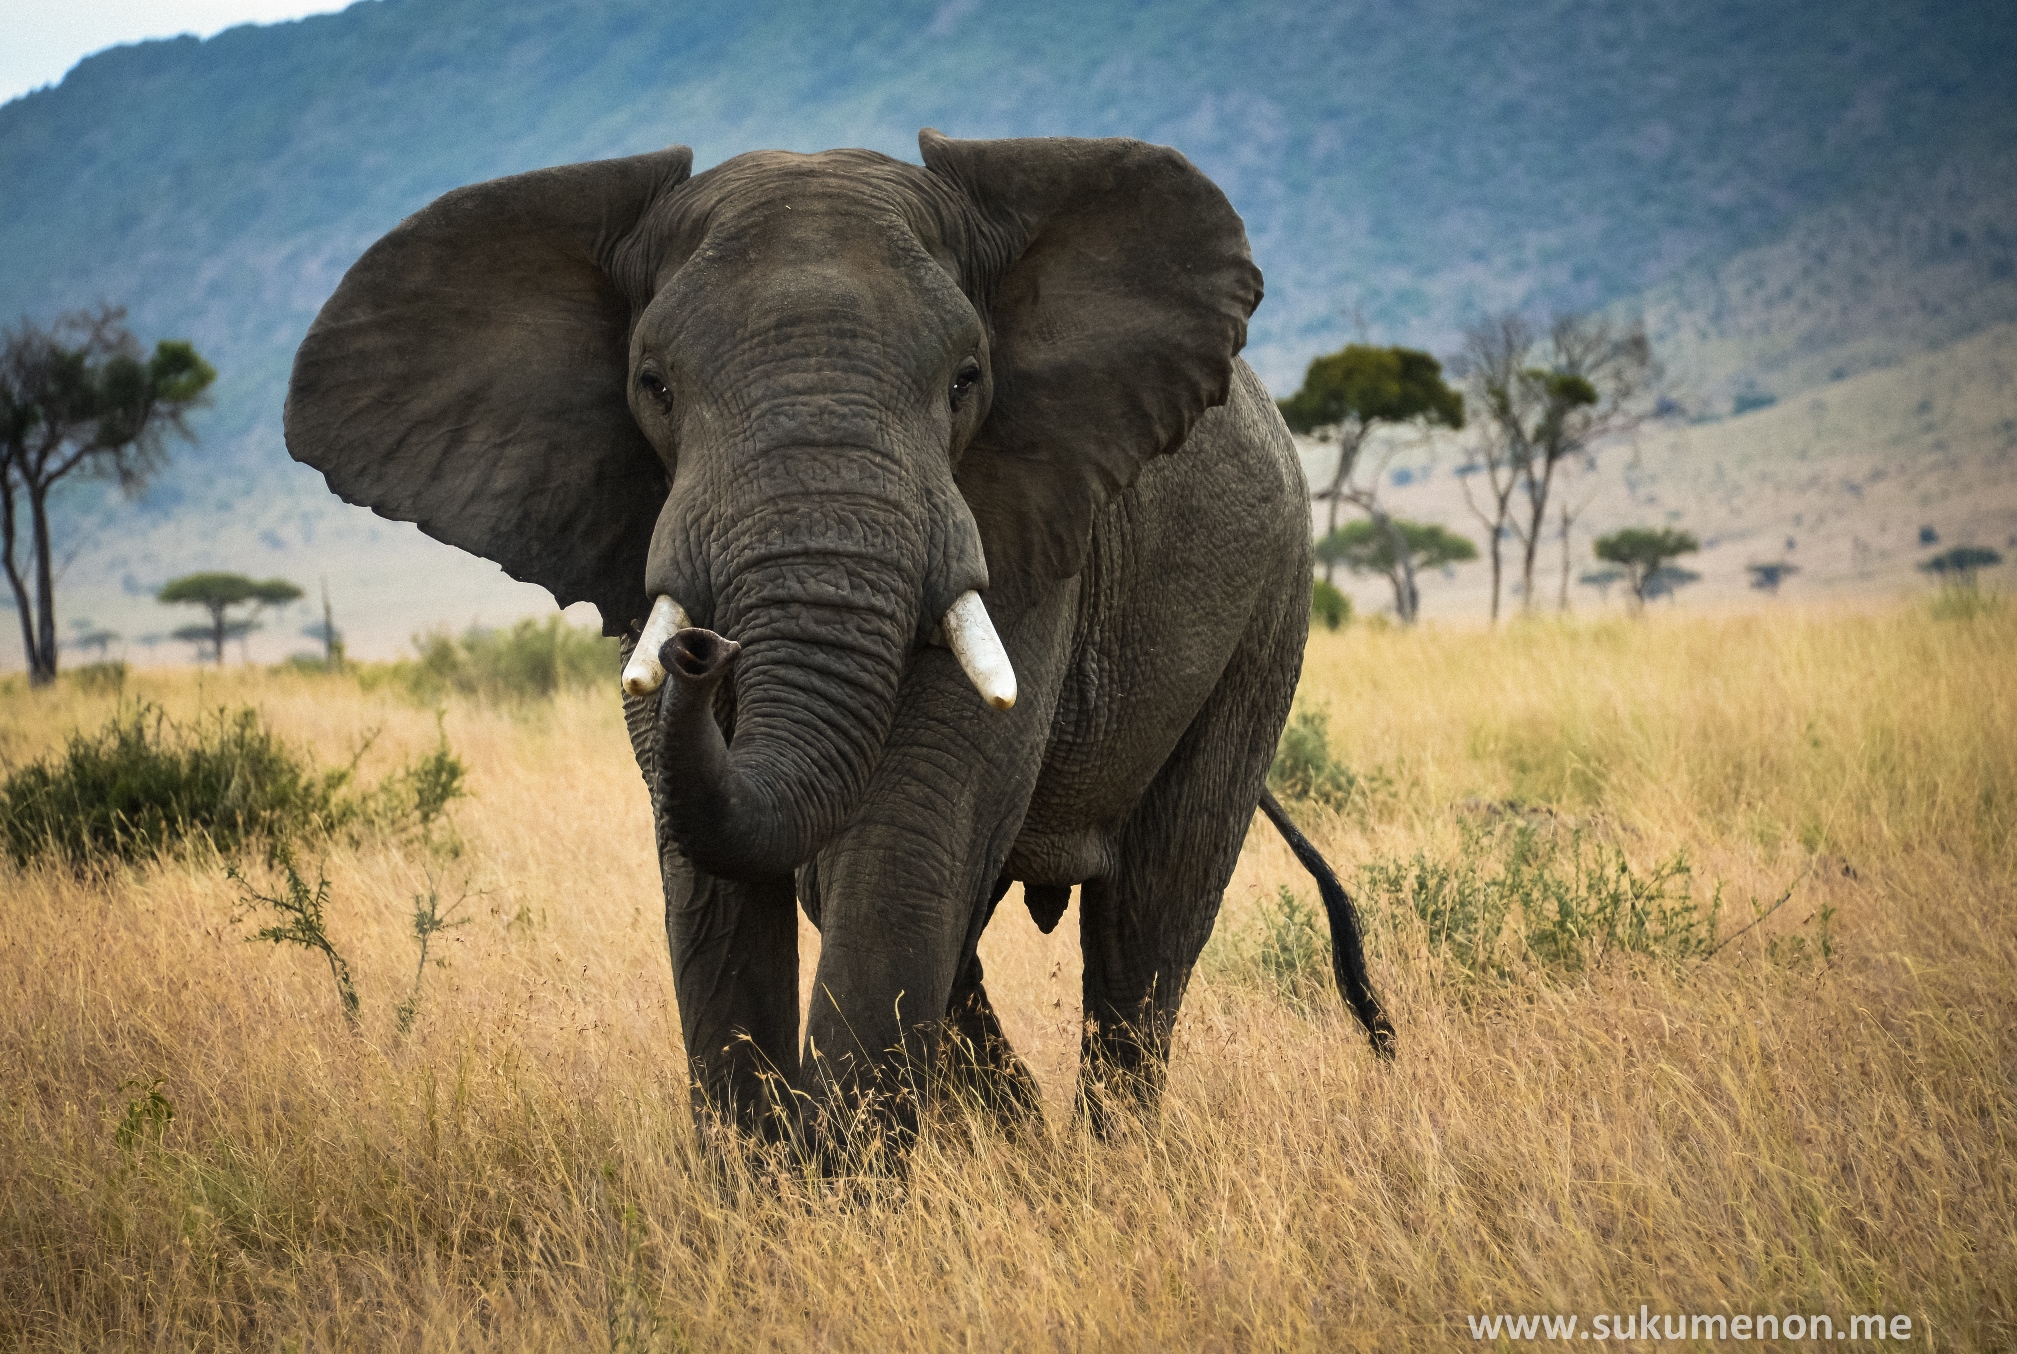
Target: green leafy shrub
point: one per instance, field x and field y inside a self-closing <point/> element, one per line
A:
<point x="145" y="785"/>
<point x="95" y="679"/>
<point x="1965" y="602"/>
<point x="1329" y="606"/>
<point x="147" y="1116"/>
<point x="1304" y="769"/>
<point x="430" y="919"/>
<point x="417" y="795"/>
<point x="533" y="660"/>
<point x="1285" y="952"/>
<point x="300" y="910"/>
<point x="1520" y="901"/>
<point x="1291" y="948"/>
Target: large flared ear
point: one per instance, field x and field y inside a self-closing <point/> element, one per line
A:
<point x="1117" y="286"/>
<point x="469" y="376"/>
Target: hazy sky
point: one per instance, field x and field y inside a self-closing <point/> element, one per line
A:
<point x="42" y="39"/>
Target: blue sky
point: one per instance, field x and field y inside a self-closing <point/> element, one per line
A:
<point x="40" y="40"/>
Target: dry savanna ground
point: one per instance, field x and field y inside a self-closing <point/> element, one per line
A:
<point x="1816" y="1117"/>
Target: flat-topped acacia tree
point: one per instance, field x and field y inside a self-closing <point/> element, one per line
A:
<point x="1960" y="565"/>
<point x="1642" y="552"/>
<point x="1368" y="547"/>
<point x="218" y="593"/>
<point x="1349" y="394"/>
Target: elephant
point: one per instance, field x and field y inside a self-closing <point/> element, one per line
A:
<point x="950" y="543"/>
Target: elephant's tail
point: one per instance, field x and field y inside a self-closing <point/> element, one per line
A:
<point x="1348" y="954"/>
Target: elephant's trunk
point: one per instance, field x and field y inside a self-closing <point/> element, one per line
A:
<point x="825" y="582"/>
<point x="709" y="805"/>
<point x="766" y="744"/>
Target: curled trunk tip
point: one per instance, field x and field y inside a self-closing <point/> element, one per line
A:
<point x="698" y="656"/>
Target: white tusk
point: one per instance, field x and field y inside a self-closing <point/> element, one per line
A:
<point x="971" y="637"/>
<point x="642" y="675"/>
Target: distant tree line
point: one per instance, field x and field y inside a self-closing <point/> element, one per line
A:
<point x="1537" y="405"/>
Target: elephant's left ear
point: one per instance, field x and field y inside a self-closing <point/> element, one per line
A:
<point x="469" y="376"/>
<point x="1118" y="286"/>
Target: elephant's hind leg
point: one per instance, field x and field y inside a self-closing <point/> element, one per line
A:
<point x="1143" y="927"/>
<point x="978" y="1066"/>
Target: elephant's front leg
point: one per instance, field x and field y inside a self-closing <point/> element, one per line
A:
<point x="735" y="972"/>
<point x="977" y="1062"/>
<point x="903" y="892"/>
<point x="734" y="952"/>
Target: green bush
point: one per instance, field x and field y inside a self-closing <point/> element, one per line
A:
<point x="1329" y="607"/>
<point x="1304" y="769"/>
<point x="1286" y="952"/>
<point x="533" y="660"/>
<point x="300" y="910"/>
<point x="1521" y="901"/>
<point x="99" y="678"/>
<point x="1292" y="951"/>
<point x="145" y="785"/>
<point x="1965" y="602"/>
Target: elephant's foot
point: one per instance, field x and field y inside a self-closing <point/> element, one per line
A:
<point x="1123" y="1064"/>
<point x="978" y="1069"/>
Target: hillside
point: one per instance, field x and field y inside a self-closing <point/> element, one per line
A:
<point x="1895" y="271"/>
<point x="1397" y="170"/>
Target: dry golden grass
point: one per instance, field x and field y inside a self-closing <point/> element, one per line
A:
<point x="1754" y="1133"/>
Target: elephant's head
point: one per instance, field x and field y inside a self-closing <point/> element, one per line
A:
<point x="812" y="402"/>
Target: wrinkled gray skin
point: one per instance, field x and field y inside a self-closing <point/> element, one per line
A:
<point x="814" y="399"/>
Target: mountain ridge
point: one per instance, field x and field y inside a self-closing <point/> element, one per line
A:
<point x="1405" y="168"/>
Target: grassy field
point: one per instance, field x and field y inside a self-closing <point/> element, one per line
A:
<point x="1585" y="1117"/>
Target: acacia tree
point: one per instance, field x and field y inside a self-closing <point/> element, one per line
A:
<point x="1767" y="577"/>
<point x="79" y="397"/>
<point x="1602" y="579"/>
<point x="1960" y="565"/>
<point x="1348" y="394"/>
<point x="1367" y="547"/>
<point x="1643" y="552"/>
<point x="1543" y="404"/>
<point x="218" y="593"/>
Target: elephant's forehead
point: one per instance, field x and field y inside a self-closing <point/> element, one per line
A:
<point x="830" y="216"/>
<point x="767" y="185"/>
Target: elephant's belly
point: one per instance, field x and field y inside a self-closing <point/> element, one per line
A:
<point x="1061" y="858"/>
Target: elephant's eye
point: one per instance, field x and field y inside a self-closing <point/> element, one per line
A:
<point x="964" y="380"/>
<point x="654" y="386"/>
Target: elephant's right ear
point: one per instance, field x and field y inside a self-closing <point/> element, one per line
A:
<point x="469" y="376"/>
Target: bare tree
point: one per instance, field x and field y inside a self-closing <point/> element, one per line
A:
<point x="1571" y="510"/>
<point x="1592" y="374"/>
<point x="1492" y="366"/>
<point x="79" y="397"/>
<point x="1543" y="404"/>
